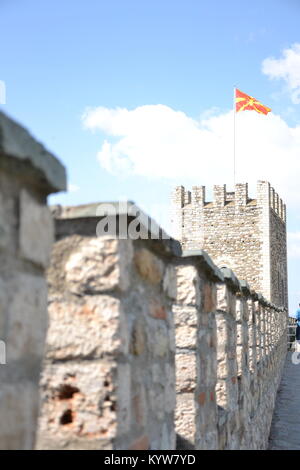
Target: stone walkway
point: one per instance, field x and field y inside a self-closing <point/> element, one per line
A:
<point x="285" y="429"/>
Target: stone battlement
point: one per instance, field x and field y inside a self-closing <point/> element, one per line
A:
<point x="234" y="228"/>
<point x="28" y="173"/>
<point x="180" y="349"/>
<point x="221" y="197"/>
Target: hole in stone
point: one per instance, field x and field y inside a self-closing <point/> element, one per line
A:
<point x="106" y="383"/>
<point x="67" y="391"/>
<point x="71" y="375"/>
<point x="67" y="417"/>
<point x="113" y="407"/>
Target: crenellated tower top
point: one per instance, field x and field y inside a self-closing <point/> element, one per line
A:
<point x="266" y="197"/>
<point x="245" y="233"/>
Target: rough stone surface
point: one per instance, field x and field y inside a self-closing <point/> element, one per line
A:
<point x="18" y="411"/>
<point x="93" y="266"/>
<point x="36" y="230"/>
<point x="149" y="266"/>
<point x="86" y="330"/>
<point x="79" y="403"/>
<point x="26" y="307"/>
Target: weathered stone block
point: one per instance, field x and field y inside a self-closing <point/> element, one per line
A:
<point x="124" y="393"/>
<point x="206" y="419"/>
<point x="185" y="373"/>
<point x="157" y="373"/>
<point x="158" y="339"/>
<point x="99" y="264"/>
<point x="156" y="402"/>
<point x="184" y="315"/>
<point x="221" y="393"/>
<point x="157" y="310"/>
<point x="139" y="406"/>
<point x="78" y="401"/>
<point x="149" y="266"/>
<point x="222" y="298"/>
<point x="170" y="282"/>
<point x="18" y="410"/>
<point x="186" y="337"/>
<point x="188" y="285"/>
<point x="27" y="317"/>
<point x="206" y="367"/>
<point x="5" y="220"/>
<point x="91" y="328"/>
<point x="138" y="342"/>
<point x="170" y="391"/>
<point x="209" y="298"/>
<point x="36" y="230"/>
<point x="185" y="416"/>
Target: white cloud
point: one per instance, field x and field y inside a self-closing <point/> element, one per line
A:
<point x="158" y="142"/>
<point x="293" y="239"/>
<point x="73" y="188"/>
<point x="286" y="68"/>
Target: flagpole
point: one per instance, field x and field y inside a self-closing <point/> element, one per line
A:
<point x="234" y="112"/>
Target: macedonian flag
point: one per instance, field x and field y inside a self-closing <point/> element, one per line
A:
<point x="245" y="102"/>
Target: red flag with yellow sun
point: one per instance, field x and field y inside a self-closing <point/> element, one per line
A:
<point x="245" y="102"/>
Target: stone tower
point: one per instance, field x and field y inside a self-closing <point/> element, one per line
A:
<point x="246" y="235"/>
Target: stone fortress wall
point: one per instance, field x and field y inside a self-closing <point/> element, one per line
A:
<point x="246" y="235"/>
<point x="147" y="347"/>
<point x="111" y="340"/>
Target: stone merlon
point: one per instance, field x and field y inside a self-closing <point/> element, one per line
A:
<point x="16" y="143"/>
<point x="121" y="214"/>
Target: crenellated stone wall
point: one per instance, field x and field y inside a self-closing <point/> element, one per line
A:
<point x="28" y="173"/>
<point x="231" y="346"/>
<point x="134" y="321"/>
<point x="196" y="354"/>
<point x="109" y="374"/>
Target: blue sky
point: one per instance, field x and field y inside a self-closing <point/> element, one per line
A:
<point x="126" y="58"/>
